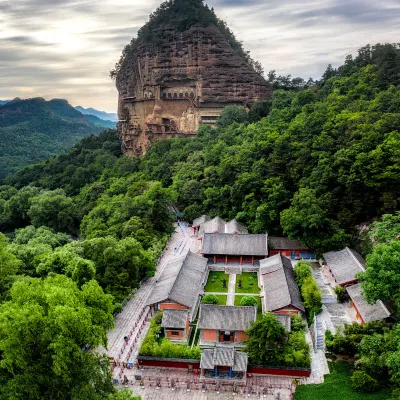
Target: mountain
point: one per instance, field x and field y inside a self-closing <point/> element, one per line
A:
<point x="182" y="70"/>
<point x="99" y="114"/>
<point x="33" y="130"/>
<point x="101" y="122"/>
<point x="2" y="102"/>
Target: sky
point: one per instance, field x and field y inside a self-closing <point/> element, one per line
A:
<point x="66" y="48"/>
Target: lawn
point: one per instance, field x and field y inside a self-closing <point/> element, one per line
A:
<point x="214" y="282"/>
<point x="337" y="386"/>
<point x="249" y="283"/>
<point x="259" y="307"/>
<point x="221" y="299"/>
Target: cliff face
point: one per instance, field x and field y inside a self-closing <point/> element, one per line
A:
<point x="170" y="89"/>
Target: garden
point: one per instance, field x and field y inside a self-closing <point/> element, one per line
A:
<point x="217" y="282"/>
<point x="247" y="283"/>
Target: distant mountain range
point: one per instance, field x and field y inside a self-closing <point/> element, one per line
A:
<point x="33" y="130"/>
<point x="99" y="114"/>
<point x="2" y="102"/>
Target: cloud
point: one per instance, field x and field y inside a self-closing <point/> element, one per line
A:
<point x="66" y="48"/>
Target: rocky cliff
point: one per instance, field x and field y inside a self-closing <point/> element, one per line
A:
<point x="168" y="86"/>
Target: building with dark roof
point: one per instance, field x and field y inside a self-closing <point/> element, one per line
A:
<point x="224" y="324"/>
<point x="217" y="225"/>
<point x="366" y="312"/>
<point x="180" y="284"/>
<point x="223" y="362"/>
<point x="280" y="293"/>
<point x="344" y="265"/>
<point x="290" y="248"/>
<point x="176" y="325"/>
<point x="228" y="248"/>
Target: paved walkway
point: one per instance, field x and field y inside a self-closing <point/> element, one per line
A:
<point x="230" y="301"/>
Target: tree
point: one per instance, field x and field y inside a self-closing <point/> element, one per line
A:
<point x="43" y="330"/>
<point x="210" y="299"/>
<point x="232" y="114"/>
<point x="248" y="301"/>
<point x="54" y="210"/>
<point x="259" y="110"/>
<point x="381" y="280"/>
<point x="302" y="270"/>
<point x="312" y="296"/>
<point x="386" y="230"/>
<point x="267" y="338"/>
<point x="362" y="382"/>
<point x="9" y="267"/>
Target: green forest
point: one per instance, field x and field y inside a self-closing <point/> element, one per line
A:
<point x="318" y="162"/>
<point x="34" y="130"/>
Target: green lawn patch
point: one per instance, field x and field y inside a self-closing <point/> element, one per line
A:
<point x="249" y="283"/>
<point x="221" y="299"/>
<point x="214" y="282"/>
<point x="337" y="386"/>
<point x="259" y="307"/>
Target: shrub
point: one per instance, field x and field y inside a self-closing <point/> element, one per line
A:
<point x="302" y="271"/>
<point x="341" y="294"/>
<point x="154" y="345"/>
<point x="297" y="323"/>
<point x="248" y="301"/>
<point x="210" y="299"/>
<point x="396" y="394"/>
<point x="362" y="382"/>
<point x="312" y="296"/>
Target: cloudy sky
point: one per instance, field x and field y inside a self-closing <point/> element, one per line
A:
<point x="66" y="48"/>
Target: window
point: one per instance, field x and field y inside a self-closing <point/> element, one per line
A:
<point x="174" y="333"/>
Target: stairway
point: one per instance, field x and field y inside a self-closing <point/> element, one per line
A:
<point x="320" y="334"/>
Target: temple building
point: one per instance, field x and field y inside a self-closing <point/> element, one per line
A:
<point x="290" y="248"/>
<point x="225" y="325"/>
<point x="230" y="248"/>
<point x="280" y="293"/>
<point x="344" y="265"/>
<point x="177" y="293"/>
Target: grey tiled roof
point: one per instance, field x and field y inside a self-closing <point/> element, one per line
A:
<point x="344" y="264"/>
<point x="224" y="357"/>
<point x="284" y="243"/>
<point x="218" y="225"/>
<point x="279" y="285"/>
<point x="239" y="245"/>
<point x="227" y="318"/>
<point x="180" y="281"/>
<point x="201" y="220"/>
<point x="174" y="319"/>
<point x="368" y="312"/>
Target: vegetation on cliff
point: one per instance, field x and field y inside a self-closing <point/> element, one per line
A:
<point x="33" y="130"/>
<point x="181" y="15"/>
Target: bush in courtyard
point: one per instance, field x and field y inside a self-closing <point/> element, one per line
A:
<point x="302" y="271"/>
<point x="297" y="323"/>
<point x="362" y="382"/>
<point x="312" y="297"/>
<point x="248" y="301"/>
<point x="210" y="299"/>
<point x="341" y="294"/>
<point x="154" y="345"/>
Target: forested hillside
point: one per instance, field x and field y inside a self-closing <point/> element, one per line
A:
<point x="33" y="130"/>
<point x="313" y="163"/>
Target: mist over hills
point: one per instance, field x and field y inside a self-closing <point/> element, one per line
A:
<point x="33" y="130"/>
<point x="99" y="114"/>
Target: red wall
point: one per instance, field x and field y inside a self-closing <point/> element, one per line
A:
<point x="295" y="373"/>
<point x="168" y="364"/>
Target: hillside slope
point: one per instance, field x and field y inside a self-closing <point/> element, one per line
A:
<point x="33" y="130"/>
<point x="99" y="114"/>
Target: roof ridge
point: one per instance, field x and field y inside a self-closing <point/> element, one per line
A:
<point x="354" y="258"/>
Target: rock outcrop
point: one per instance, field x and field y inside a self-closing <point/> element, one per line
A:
<point x="170" y="88"/>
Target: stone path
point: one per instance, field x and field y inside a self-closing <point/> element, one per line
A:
<point x="230" y="301"/>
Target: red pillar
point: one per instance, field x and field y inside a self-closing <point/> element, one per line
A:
<point x="252" y="260"/>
